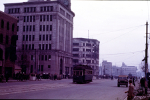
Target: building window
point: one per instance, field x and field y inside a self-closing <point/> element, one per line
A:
<point x="26" y="37"/>
<point x="42" y="57"/>
<point x="33" y="27"/>
<point x="31" y="70"/>
<point x="1" y="38"/>
<point x="7" y="25"/>
<point x="46" y="46"/>
<point x="30" y="18"/>
<point x="43" y="37"/>
<point x="51" y="8"/>
<point x="23" y="37"/>
<point x="40" y="17"/>
<point x="43" y="27"/>
<point x="49" y="57"/>
<point x="39" y="37"/>
<point x="27" y="18"/>
<point x="43" y="17"/>
<point x="26" y="47"/>
<point x="24" y="10"/>
<point x="29" y="37"/>
<point x="2" y="23"/>
<point x="24" y="18"/>
<point x="7" y="39"/>
<point x="50" y="27"/>
<point x="49" y="46"/>
<point x="50" y="17"/>
<point x="29" y="46"/>
<point x="13" y="27"/>
<point x="45" y="57"/>
<point x="17" y="28"/>
<point x="39" y="46"/>
<point x="49" y="66"/>
<point x="46" y="37"/>
<point x="41" y="67"/>
<point x="27" y="28"/>
<point x="47" y="27"/>
<point x="31" y="57"/>
<point x="30" y="27"/>
<point x="23" y="28"/>
<point x="42" y="46"/>
<point x="33" y="37"/>
<point x="33" y="18"/>
<point x="23" y="47"/>
<point x="40" y="27"/>
<point x="47" y="17"/>
<point x="50" y="37"/>
<point x="32" y="46"/>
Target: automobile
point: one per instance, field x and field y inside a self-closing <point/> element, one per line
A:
<point x="122" y="80"/>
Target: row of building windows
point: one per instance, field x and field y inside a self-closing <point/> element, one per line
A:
<point x="46" y="8"/>
<point x="29" y="9"/>
<point x="44" y="46"/>
<point x="13" y="10"/>
<point x="84" y="44"/>
<point x="84" y="55"/>
<point x="77" y="49"/>
<point x="45" y="37"/>
<point x="84" y="61"/>
<point x="28" y="37"/>
<point x="1" y="39"/>
<point x="8" y="25"/>
<point x="28" y="28"/>
<point x="44" y="57"/>
<point x="27" y="46"/>
<point x="29" y="18"/>
<point x="45" y="17"/>
<point x="45" y="27"/>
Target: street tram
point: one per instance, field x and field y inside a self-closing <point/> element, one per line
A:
<point x="82" y="74"/>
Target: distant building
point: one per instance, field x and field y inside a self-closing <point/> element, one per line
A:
<point x="86" y="52"/>
<point x="126" y="70"/>
<point x="45" y="32"/>
<point x="8" y="37"/>
<point x="106" y="68"/>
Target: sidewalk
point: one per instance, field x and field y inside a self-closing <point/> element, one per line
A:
<point x="143" y="97"/>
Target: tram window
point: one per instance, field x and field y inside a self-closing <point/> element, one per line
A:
<point x="77" y="72"/>
<point x="80" y="72"/>
<point x="74" y="73"/>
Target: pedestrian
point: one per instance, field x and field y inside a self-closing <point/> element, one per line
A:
<point x="7" y="77"/>
<point x="133" y="81"/>
<point x="130" y="91"/>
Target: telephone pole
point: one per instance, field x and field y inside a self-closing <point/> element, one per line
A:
<point x="146" y="55"/>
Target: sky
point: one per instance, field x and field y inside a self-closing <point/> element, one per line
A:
<point x="118" y="25"/>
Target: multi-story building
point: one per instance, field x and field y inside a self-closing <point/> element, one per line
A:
<point x="126" y="70"/>
<point x="107" y="68"/>
<point x="8" y="37"/>
<point x="45" y="31"/>
<point x="86" y="52"/>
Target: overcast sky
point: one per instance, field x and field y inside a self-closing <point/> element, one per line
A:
<point x="118" y="25"/>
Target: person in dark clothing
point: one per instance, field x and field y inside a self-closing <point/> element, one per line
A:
<point x="133" y="81"/>
<point x="7" y="77"/>
<point x="142" y="82"/>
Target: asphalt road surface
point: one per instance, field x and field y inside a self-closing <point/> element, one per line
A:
<point x="99" y="89"/>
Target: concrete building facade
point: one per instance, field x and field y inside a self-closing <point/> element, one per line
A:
<point x="45" y="31"/>
<point x="86" y="52"/>
<point x="8" y="37"/>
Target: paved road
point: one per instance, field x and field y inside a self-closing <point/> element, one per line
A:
<point x="101" y="89"/>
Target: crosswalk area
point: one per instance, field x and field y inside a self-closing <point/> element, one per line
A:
<point x="32" y="87"/>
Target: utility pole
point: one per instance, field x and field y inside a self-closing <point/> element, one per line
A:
<point x="146" y="55"/>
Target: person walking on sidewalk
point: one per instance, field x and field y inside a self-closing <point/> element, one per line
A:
<point x="130" y="91"/>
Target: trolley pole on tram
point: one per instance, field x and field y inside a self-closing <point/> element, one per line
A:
<point x="146" y="56"/>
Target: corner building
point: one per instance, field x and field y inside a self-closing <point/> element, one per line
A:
<point x="8" y="38"/>
<point x="45" y="31"/>
<point x="86" y="52"/>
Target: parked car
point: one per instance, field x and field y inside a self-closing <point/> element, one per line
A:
<point x="122" y="80"/>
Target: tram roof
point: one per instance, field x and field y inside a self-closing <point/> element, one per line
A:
<point x="80" y="67"/>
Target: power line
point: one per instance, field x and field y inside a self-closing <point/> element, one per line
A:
<point x="123" y="53"/>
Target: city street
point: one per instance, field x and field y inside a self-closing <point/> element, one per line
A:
<point x="102" y="89"/>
